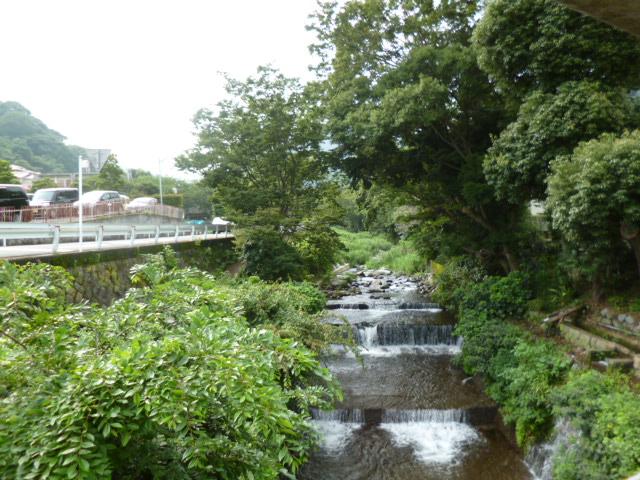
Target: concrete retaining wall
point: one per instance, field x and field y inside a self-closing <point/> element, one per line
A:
<point x="103" y="277"/>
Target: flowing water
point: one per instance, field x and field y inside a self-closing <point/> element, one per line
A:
<point x="408" y="413"/>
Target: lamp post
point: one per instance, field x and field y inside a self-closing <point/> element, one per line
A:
<point x="160" y="176"/>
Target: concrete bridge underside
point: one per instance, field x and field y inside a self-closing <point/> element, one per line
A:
<point x="623" y="14"/>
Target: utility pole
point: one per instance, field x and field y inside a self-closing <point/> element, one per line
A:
<point x="80" y="206"/>
<point x="160" y="176"/>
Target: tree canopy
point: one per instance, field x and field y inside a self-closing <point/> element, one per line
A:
<point x="6" y="174"/>
<point x="594" y="197"/>
<point x="260" y="151"/>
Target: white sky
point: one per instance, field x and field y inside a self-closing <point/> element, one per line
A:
<point x="129" y="74"/>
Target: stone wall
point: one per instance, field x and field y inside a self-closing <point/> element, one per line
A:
<point x="102" y="277"/>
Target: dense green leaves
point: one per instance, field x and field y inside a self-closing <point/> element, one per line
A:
<point x="549" y="125"/>
<point x="540" y="44"/>
<point x="594" y="197"/>
<point x="6" y="174"/>
<point x="168" y="382"/>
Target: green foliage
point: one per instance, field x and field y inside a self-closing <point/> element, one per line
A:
<point x="168" y="382"/>
<point x="604" y="411"/>
<point x="454" y="277"/>
<point x="362" y="246"/>
<point x="549" y="125"/>
<point x="540" y="44"/>
<point x="44" y="182"/>
<point x="292" y="310"/>
<point x="319" y="247"/>
<point x="111" y="176"/>
<point x="27" y="141"/>
<point x="524" y="385"/>
<point x="400" y="258"/>
<point x="501" y="298"/>
<point x="593" y="198"/>
<point x="6" y="174"/>
<point x="270" y="257"/>
<point x="171" y="199"/>
<point x="260" y="152"/>
<point x="408" y="107"/>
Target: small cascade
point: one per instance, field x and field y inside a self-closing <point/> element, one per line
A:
<point x="541" y="457"/>
<point x="431" y="416"/>
<point x="400" y="334"/>
<point x="344" y="415"/>
<point x="418" y="306"/>
<point x="347" y="306"/>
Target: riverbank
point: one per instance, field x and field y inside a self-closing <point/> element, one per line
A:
<point x="538" y="386"/>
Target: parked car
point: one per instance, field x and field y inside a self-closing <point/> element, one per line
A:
<point x="13" y="196"/>
<point x="54" y="196"/>
<point x="141" y="202"/>
<point x="100" y="197"/>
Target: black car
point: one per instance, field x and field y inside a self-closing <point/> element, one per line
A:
<point x="13" y="197"/>
<point x="54" y="196"/>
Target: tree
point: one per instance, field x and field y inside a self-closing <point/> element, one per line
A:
<point x="594" y="197"/>
<point x="530" y="45"/>
<point x="6" y="174"/>
<point x="260" y="152"/>
<point x="572" y="75"/>
<point x="44" y="182"/>
<point x="552" y="124"/>
<point x="408" y="107"/>
<point x="111" y="176"/>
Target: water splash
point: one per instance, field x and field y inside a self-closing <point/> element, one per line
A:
<point x="433" y="442"/>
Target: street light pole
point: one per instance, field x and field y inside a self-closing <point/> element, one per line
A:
<point x="160" y="175"/>
<point x="80" y="209"/>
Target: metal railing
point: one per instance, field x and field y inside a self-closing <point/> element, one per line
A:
<point x="55" y="234"/>
<point x="69" y="213"/>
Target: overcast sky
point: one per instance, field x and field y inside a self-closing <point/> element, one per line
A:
<point x="129" y="74"/>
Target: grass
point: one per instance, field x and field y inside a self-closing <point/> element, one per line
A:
<point x="375" y="251"/>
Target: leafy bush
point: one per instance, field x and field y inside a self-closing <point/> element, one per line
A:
<point x="605" y="411"/>
<point x="455" y="277"/>
<point x="502" y="298"/>
<point x="319" y="247"/>
<point x="524" y="387"/>
<point x="168" y="382"/>
<point x="270" y="257"/>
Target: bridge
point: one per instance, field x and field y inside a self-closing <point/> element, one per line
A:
<point x="35" y="240"/>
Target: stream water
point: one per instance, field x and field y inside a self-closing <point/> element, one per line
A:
<point x="408" y="413"/>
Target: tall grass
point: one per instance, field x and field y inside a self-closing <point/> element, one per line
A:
<point x="375" y="251"/>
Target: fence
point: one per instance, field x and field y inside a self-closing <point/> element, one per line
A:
<point x="134" y="234"/>
<point x="69" y="213"/>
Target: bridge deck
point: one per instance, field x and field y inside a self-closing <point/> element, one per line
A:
<point x="21" y="252"/>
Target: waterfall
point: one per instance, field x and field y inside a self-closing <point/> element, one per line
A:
<point x="345" y="415"/>
<point x="400" y="334"/>
<point x="432" y="416"/>
<point x="541" y="456"/>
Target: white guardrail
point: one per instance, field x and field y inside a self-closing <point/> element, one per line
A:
<point x="16" y="232"/>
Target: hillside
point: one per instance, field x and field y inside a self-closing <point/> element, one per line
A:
<point x="27" y="141"/>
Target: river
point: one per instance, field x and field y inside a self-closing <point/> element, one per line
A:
<point x="408" y="413"/>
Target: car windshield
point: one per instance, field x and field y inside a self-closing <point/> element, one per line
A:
<point x="44" y="195"/>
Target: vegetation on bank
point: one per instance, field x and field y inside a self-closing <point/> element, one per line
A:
<point x="376" y="251"/>
<point x="187" y="376"/>
<point x="534" y="380"/>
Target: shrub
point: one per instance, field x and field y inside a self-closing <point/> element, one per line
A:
<point x="524" y="387"/>
<point x="605" y="411"/>
<point x="168" y="382"/>
<point x="270" y="257"/>
<point x="319" y="247"/>
<point x="456" y="275"/>
<point x="502" y="298"/>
